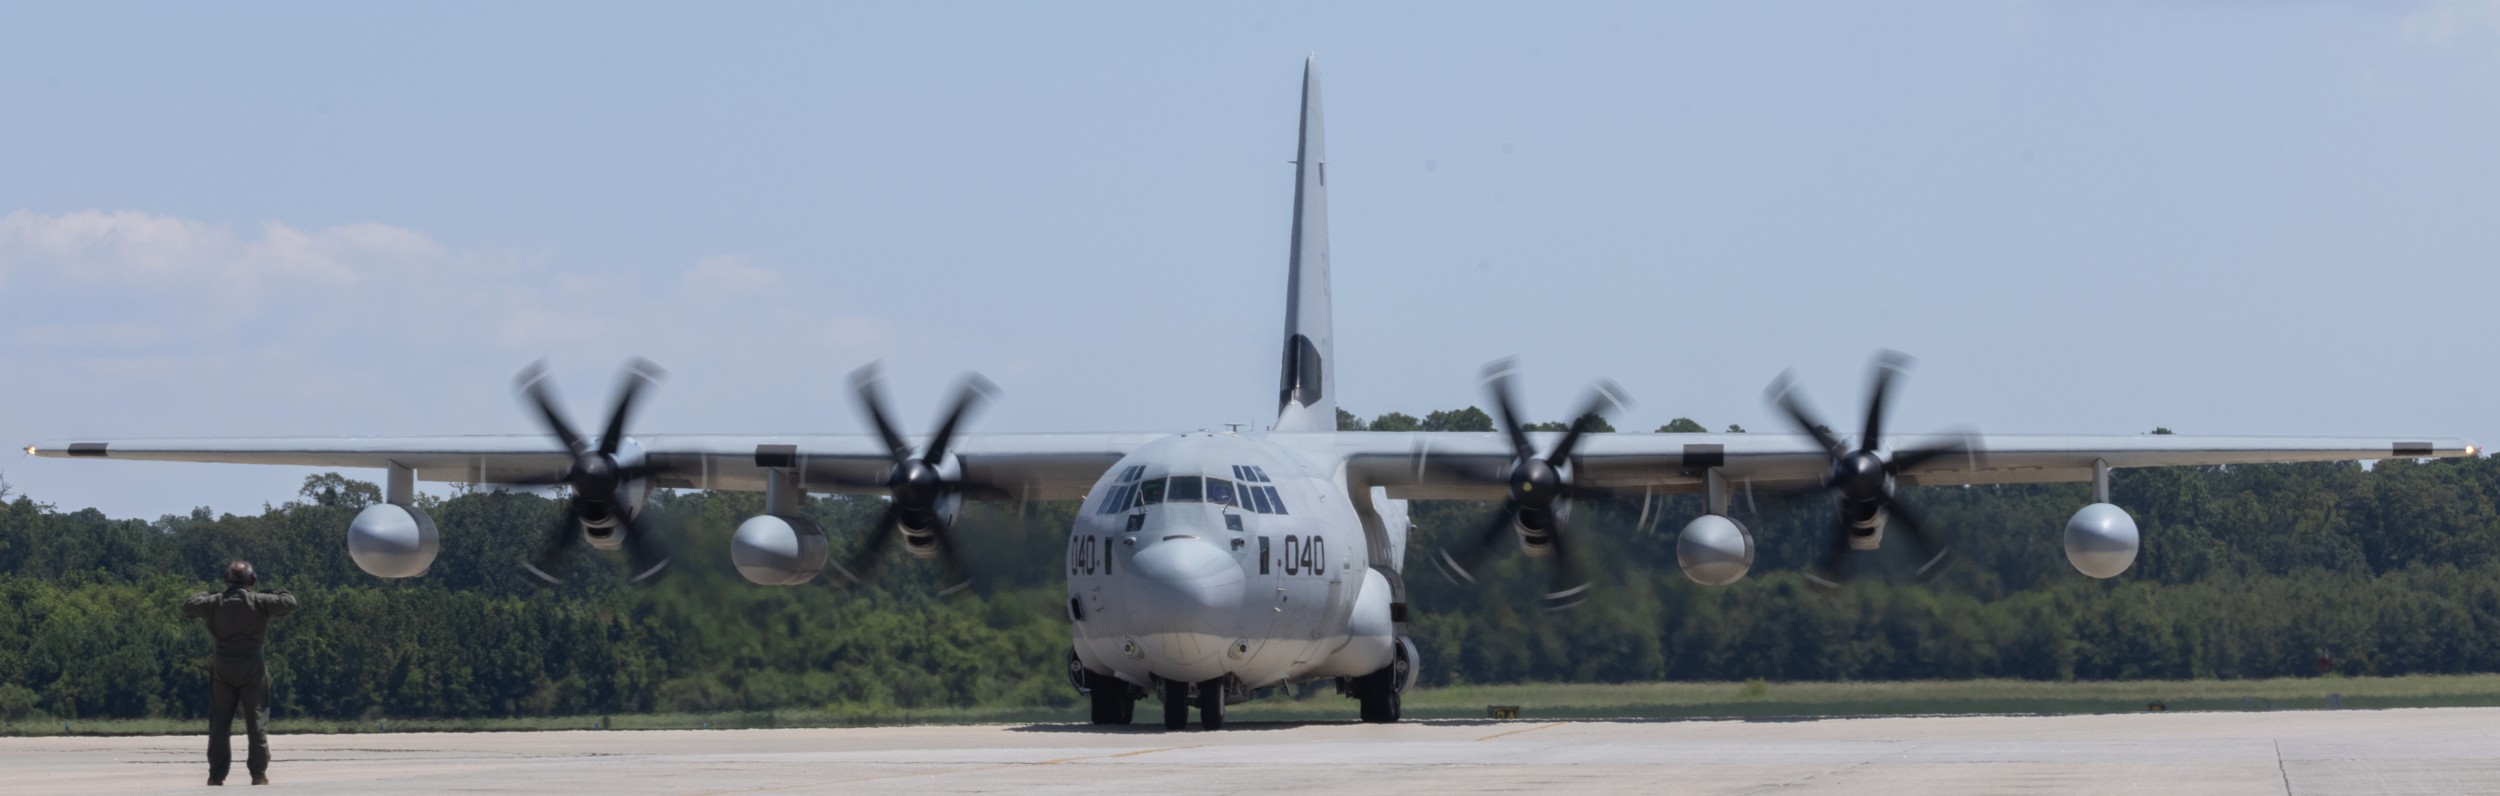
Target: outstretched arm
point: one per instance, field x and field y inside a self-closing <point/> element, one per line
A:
<point x="277" y="603"/>
<point x="199" y="606"/>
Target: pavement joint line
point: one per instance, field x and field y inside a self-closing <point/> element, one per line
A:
<point x="1524" y="729"/>
<point x="1117" y="756"/>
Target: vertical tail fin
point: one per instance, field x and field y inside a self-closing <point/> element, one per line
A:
<point x="1307" y="401"/>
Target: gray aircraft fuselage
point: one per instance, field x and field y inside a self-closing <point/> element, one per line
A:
<point x="1217" y="556"/>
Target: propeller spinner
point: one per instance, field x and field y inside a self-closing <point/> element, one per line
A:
<point x="1862" y="478"/>
<point x="923" y="483"/>
<point x="595" y="477"/>
<point x="1541" y="493"/>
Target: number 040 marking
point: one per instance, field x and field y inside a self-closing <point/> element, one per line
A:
<point x="1304" y="556"/>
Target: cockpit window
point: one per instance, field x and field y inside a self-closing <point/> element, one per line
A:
<point x="1119" y="499"/>
<point x="1152" y="491"/>
<point x="1187" y="488"/>
<point x="1274" y="501"/>
<point x="1221" y="491"/>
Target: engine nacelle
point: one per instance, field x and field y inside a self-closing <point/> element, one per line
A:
<point x="388" y="540"/>
<point x="1539" y="542"/>
<point x="1714" y="550"/>
<point x="772" y="550"/>
<point x="2101" y="540"/>
<point x="608" y="535"/>
<point x="921" y="541"/>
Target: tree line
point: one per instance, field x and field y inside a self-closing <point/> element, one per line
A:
<point x="2253" y="571"/>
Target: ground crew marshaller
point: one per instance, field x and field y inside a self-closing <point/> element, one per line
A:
<point x="238" y="618"/>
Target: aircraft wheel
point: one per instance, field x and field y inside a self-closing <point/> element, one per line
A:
<point x="1211" y="704"/>
<point x="1175" y="705"/>
<point x="1112" y="704"/>
<point x="1379" y="697"/>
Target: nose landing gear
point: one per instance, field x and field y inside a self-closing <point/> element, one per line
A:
<point x="1178" y="696"/>
<point x="1211" y="704"/>
<point x="1175" y="705"/>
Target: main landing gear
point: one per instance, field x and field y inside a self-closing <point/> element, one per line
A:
<point x="1175" y="705"/>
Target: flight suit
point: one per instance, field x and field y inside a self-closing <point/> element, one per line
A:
<point x="238" y="619"/>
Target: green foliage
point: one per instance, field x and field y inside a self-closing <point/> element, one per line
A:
<point x="1468" y="419"/>
<point x="1346" y="421"/>
<point x="1596" y="423"/>
<point x="1396" y="421"/>
<point x="17" y="703"/>
<point x="1735" y="429"/>
<point x="1682" y="425"/>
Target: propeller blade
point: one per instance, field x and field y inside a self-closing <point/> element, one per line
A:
<point x="1568" y="586"/>
<point x="639" y="373"/>
<point x="1832" y="570"/>
<point x="1461" y="568"/>
<point x="551" y="558"/>
<point x="551" y="479"/>
<point x="1497" y="386"/>
<point x="1605" y="394"/>
<point x="974" y="391"/>
<point x="1967" y="444"/>
<point x="863" y="560"/>
<point x="958" y="572"/>
<point x="644" y="470"/>
<point x="533" y="385"/>
<point x="649" y="554"/>
<point x="1931" y="549"/>
<point x="1430" y="469"/>
<point x="872" y="401"/>
<point x="1783" y="393"/>
<point x="1887" y="365"/>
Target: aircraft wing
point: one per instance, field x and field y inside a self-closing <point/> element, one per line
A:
<point x="1469" y="466"/>
<point x="1011" y="466"/>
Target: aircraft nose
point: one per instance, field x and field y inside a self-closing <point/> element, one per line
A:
<point x="1185" y="574"/>
<point x="1188" y="592"/>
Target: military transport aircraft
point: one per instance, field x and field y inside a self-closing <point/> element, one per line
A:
<point x="1204" y="566"/>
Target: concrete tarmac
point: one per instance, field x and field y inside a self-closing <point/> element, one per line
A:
<point x="2454" y="750"/>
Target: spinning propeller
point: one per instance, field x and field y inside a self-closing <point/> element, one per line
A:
<point x="1863" y="478"/>
<point x="596" y="478"/>
<point x="1541" y="492"/>
<point x="926" y="487"/>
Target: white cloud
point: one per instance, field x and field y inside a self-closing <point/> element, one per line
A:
<point x="2445" y="21"/>
<point x="141" y="249"/>
<point x="730" y="275"/>
<point x="856" y="332"/>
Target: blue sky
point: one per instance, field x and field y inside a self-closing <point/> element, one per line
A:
<point x="2220" y="217"/>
